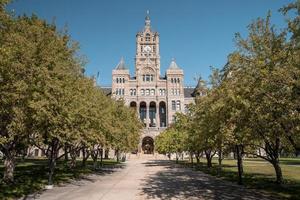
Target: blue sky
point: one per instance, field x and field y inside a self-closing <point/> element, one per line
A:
<point x="197" y="33"/>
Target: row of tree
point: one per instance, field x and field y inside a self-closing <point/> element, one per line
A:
<point x="47" y="102"/>
<point x="252" y="105"/>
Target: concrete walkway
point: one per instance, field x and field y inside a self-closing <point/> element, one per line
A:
<point x="147" y="178"/>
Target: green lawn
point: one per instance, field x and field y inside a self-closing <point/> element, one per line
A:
<point x="260" y="174"/>
<point x="31" y="176"/>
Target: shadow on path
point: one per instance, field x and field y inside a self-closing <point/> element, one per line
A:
<point x="172" y="182"/>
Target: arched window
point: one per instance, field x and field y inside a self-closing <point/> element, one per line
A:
<point x="117" y="91"/>
<point x="147" y="92"/>
<point x="175" y="80"/>
<point x="142" y="92"/>
<point x="117" y="80"/>
<point x="151" y="77"/>
<point x="123" y="91"/>
<point x="171" y="80"/>
<point x="178" y="80"/>
<point x="160" y="92"/>
<point x="123" y="80"/>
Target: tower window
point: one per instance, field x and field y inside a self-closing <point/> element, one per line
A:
<point x="147" y="37"/>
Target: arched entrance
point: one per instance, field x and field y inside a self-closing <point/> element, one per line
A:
<point x="148" y="145"/>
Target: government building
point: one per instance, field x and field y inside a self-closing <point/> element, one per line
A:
<point x="155" y="96"/>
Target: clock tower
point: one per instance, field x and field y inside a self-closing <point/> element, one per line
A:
<point x="147" y="58"/>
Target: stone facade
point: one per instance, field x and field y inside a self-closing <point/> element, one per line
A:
<point x="156" y="98"/>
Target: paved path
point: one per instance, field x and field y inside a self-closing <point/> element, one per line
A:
<point x="142" y="179"/>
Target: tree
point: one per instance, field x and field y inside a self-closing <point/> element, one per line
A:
<point x="263" y="81"/>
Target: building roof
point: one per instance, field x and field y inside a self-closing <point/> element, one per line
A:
<point x="106" y="90"/>
<point x="121" y="65"/>
<point x="188" y="92"/>
<point x="173" y="65"/>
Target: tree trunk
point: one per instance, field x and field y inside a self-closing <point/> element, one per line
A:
<point x="208" y="158"/>
<point x="106" y="153"/>
<point x="239" y="163"/>
<point x="118" y="155"/>
<point x="220" y="157"/>
<point x="66" y="152"/>
<point x="73" y="156"/>
<point x="177" y="157"/>
<point x="101" y="156"/>
<point x="52" y="160"/>
<point x="279" y="177"/>
<point x="85" y="156"/>
<point x="198" y="157"/>
<point x="191" y="157"/>
<point x="94" y="155"/>
<point x="9" y="167"/>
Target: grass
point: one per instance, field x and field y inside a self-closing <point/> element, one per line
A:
<point x="259" y="174"/>
<point x="31" y="176"/>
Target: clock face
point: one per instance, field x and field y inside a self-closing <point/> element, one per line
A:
<point x="147" y="49"/>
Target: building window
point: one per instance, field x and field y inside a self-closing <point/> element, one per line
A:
<point x="142" y="92"/>
<point x="178" y="80"/>
<point x="163" y="92"/>
<point x="178" y="107"/>
<point x="123" y="91"/>
<point x="123" y="80"/>
<point x="117" y="80"/>
<point x="132" y="92"/>
<point x="147" y="78"/>
<point x="147" y="92"/>
<point x="173" y="105"/>
<point x="152" y="92"/>
<point x="171" y="80"/>
<point x="160" y="92"/>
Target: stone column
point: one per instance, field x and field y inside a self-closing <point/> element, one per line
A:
<point x="147" y="115"/>
<point x="157" y="116"/>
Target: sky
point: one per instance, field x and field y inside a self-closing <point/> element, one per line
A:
<point x="197" y="33"/>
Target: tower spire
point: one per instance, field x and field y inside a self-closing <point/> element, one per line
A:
<point x="147" y="19"/>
